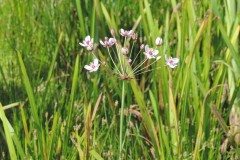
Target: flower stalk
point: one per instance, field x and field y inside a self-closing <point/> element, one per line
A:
<point x="121" y="121"/>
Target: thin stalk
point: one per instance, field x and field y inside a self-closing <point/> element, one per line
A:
<point x="135" y="57"/>
<point x="96" y="57"/>
<point x="135" y="74"/>
<point x="113" y="60"/>
<point x="130" y="56"/>
<point x="143" y="68"/>
<point x="139" y="65"/>
<point x="124" y="41"/>
<point x="121" y="121"/>
<point x="132" y="49"/>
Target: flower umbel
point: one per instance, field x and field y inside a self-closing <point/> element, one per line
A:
<point x="88" y="43"/>
<point x="93" y="66"/>
<point x="123" y="63"/>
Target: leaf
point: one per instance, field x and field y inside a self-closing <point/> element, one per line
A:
<point x="29" y="90"/>
<point x="173" y="122"/>
<point x="8" y="133"/>
<point x="96" y="155"/>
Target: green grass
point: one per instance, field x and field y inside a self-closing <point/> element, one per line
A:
<point x="64" y="112"/>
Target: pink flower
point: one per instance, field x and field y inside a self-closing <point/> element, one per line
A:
<point x="158" y="41"/>
<point x="171" y="62"/>
<point x="88" y="43"/>
<point x="150" y="52"/>
<point x="93" y="66"/>
<point x="126" y="33"/>
<point x="108" y="42"/>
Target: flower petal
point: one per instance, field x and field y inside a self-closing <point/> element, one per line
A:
<point x="155" y="52"/>
<point x="95" y="68"/>
<point x="88" y="38"/>
<point x="146" y="48"/>
<point x="130" y="32"/>
<point x="175" y="60"/>
<point x="82" y="44"/>
<point x="122" y="32"/>
<point x="89" y="48"/>
<point x="87" y="67"/>
<point x="112" y="41"/>
<point x="95" y="62"/>
<point x="172" y="65"/>
<point x="102" y="43"/>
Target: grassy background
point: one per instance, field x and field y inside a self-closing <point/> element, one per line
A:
<point x="66" y="113"/>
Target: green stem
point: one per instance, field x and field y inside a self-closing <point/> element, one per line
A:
<point x="121" y="121"/>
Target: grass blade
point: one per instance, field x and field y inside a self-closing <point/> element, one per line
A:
<point x="147" y="119"/>
<point x="80" y="16"/>
<point x="54" y="56"/>
<point x="229" y="44"/>
<point x="29" y="90"/>
<point x="173" y="122"/>
<point x="73" y="89"/>
<point x="8" y="133"/>
<point x="107" y="17"/>
<point x="96" y="155"/>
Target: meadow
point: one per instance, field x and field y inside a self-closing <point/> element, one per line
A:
<point x="52" y="107"/>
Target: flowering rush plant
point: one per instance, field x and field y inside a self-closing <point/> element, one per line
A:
<point x="123" y="63"/>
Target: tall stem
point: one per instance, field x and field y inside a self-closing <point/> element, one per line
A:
<point x="121" y="121"/>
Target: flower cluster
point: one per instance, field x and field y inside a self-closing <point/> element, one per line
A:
<point x="121" y="56"/>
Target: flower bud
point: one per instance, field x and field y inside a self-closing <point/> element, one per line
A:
<point x="142" y="46"/>
<point x="125" y="51"/>
<point x="158" y="41"/>
<point x="104" y="63"/>
<point x="134" y="36"/>
<point x="158" y="58"/>
<point x="112" y="32"/>
<point x="129" y="60"/>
